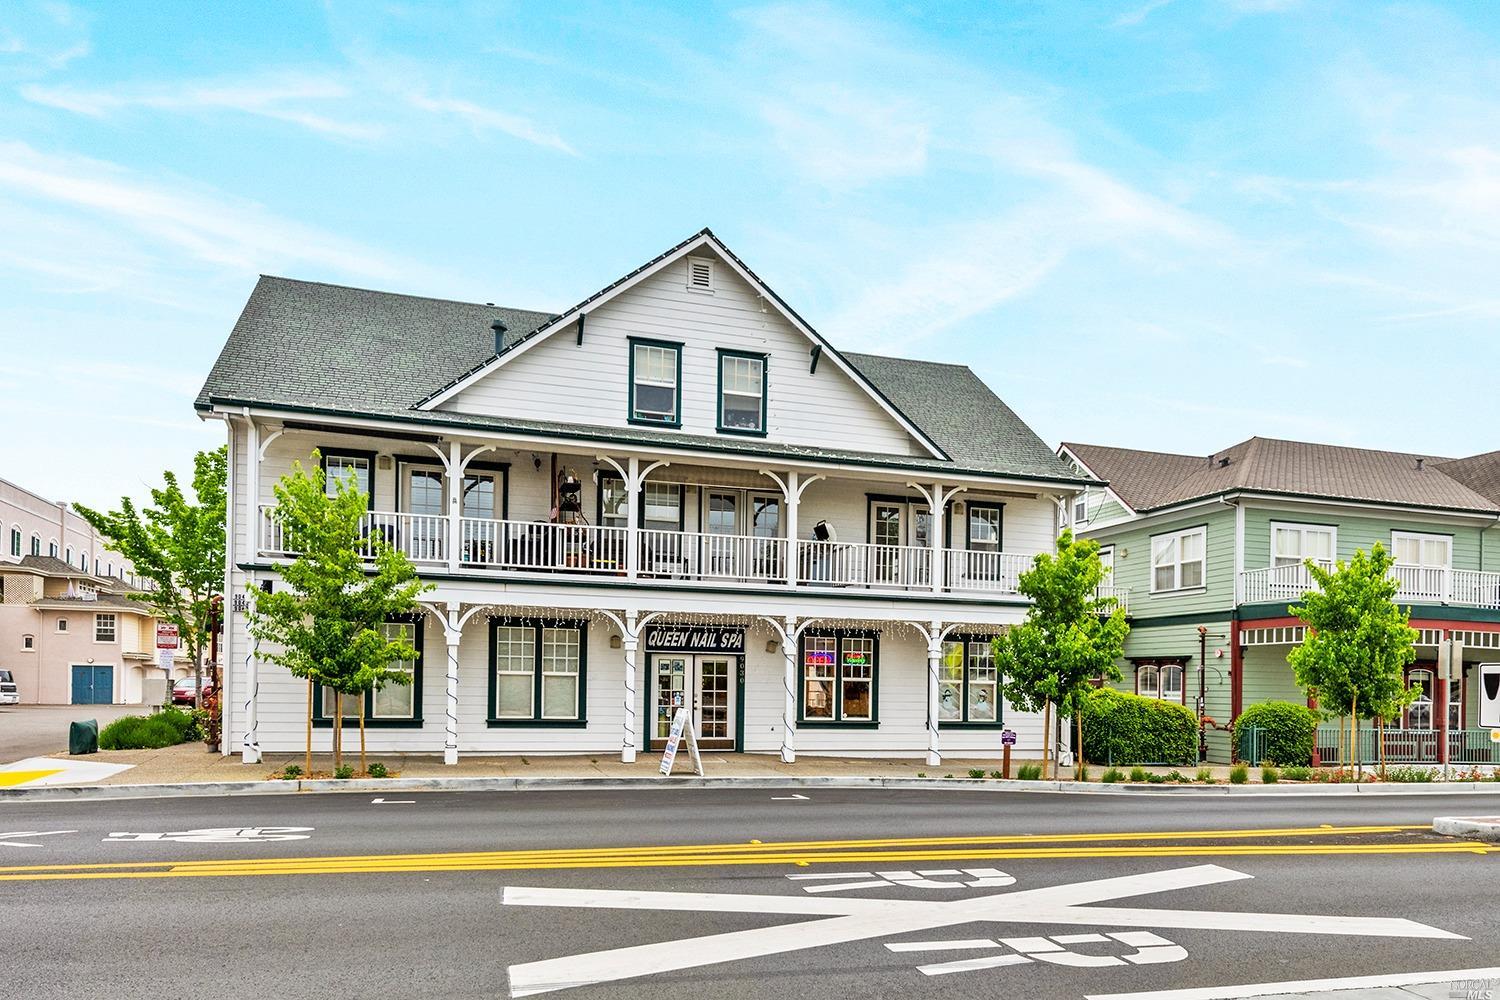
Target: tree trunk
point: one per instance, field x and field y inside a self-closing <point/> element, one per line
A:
<point x="338" y="729"/>
<point x="1382" y="749"/>
<point x="1359" y="758"/>
<point x="197" y="678"/>
<point x="362" y="767"/>
<point x="1046" y="734"/>
<point x="307" y="762"/>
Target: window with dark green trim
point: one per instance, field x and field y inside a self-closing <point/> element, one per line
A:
<point x="839" y="682"/>
<point x="394" y="706"/>
<point x="742" y="392"/>
<point x="357" y="467"/>
<point x="969" y="684"/>
<point x="655" y="382"/>
<point x="538" y="672"/>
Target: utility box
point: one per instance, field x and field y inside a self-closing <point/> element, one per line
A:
<point x="154" y="691"/>
<point x="1489" y="695"/>
<point x="83" y="737"/>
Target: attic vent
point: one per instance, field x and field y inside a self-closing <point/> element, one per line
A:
<point x="700" y="274"/>
<point x="1224" y="462"/>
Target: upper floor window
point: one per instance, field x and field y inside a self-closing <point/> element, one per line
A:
<point x="70" y="555"/>
<point x="742" y="392"/>
<point x="52" y="548"/>
<point x="1178" y="560"/>
<point x="1293" y="543"/>
<point x="355" y="469"/>
<point x="36" y="545"/>
<point x="28" y="642"/>
<point x="104" y="628"/>
<point x="15" y="541"/>
<point x="655" y="382"/>
<point x="1081" y="507"/>
<point x="983" y="534"/>
<point x="1413" y="549"/>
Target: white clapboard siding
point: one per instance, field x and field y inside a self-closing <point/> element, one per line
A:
<point x="586" y="384"/>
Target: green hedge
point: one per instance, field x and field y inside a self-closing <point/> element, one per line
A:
<point x="147" y="732"/>
<point x="1286" y="733"/>
<point x="1121" y="728"/>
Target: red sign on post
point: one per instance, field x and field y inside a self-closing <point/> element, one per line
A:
<point x="166" y="636"/>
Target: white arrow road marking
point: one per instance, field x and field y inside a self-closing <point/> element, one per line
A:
<point x="962" y="945"/>
<point x="393" y="802"/>
<point x="5" y="840"/>
<point x="867" y="919"/>
<point x="972" y="964"/>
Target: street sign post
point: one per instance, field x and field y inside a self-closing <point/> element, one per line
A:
<point x="166" y="636"/>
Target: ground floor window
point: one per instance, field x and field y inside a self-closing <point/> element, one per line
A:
<point x="537" y="672"/>
<point x="839" y="678"/>
<point x="968" y="683"/>
<point x="1160" y="679"/>
<point x="1422" y="713"/>
<point x="393" y="705"/>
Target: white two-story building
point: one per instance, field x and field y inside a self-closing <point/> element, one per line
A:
<point x="672" y="493"/>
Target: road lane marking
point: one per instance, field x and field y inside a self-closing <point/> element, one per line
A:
<point x="389" y="864"/>
<point x="794" y="797"/>
<point x="1243" y="991"/>
<point x="868" y="919"/>
<point x="6" y="841"/>
<point x="393" y="802"/>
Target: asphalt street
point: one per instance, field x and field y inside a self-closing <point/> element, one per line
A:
<point x="734" y="893"/>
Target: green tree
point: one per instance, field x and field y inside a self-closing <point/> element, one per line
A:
<point x="326" y="623"/>
<point x="1070" y="636"/>
<point x="177" y="544"/>
<point x="1358" y="640"/>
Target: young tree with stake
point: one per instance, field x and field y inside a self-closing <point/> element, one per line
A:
<point x="176" y="543"/>
<point x="1358" y="640"/>
<point x="325" y="621"/>
<point x="1070" y="636"/>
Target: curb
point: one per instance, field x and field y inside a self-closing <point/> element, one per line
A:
<point x="1472" y="827"/>
<point x="66" y="793"/>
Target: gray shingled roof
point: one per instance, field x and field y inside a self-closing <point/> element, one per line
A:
<point x="319" y="348"/>
<point x="1480" y="473"/>
<point x="1150" y="480"/>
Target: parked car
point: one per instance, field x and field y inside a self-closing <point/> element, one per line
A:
<point x="9" y="693"/>
<point x="185" y="690"/>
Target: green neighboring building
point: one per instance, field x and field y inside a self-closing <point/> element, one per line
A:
<point x="1210" y="550"/>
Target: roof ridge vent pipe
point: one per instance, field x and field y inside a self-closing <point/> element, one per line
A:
<point x="499" y="327"/>
<point x="1420" y="460"/>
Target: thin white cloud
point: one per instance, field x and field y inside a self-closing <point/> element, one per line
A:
<point x="1137" y="15"/>
<point x="483" y="118"/>
<point x="177" y="221"/>
<point x="282" y="98"/>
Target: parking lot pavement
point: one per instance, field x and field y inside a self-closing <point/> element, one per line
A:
<point x="35" y="730"/>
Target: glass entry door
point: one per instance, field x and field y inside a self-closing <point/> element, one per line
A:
<point x="707" y="686"/>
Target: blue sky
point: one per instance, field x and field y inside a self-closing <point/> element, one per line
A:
<point x="1166" y="224"/>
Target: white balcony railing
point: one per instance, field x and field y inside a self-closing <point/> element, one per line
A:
<point x="1120" y="594"/>
<point x="1426" y="584"/>
<point x="423" y="537"/>
<point x="539" y="546"/>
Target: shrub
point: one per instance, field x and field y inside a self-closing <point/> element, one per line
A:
<point x="1125" y="728"/>
<point x="1113" y="775"/>
<point x="1029" y="772"/>
<point x="1269" y="775"/>
<point x="1411" y="774"/>
<point x="344" y="772"/>
<point x="1138" y="773"/>
<point x="1297" y="773"/>
<point x="291" y="772"/>
<point x="378" y="770"/>
<point x="1239" y="774"/>
<point x="1156" y="779"/>
<point x="1175" y="775"/>
<point x="997" y="774"/>
<point x="142" y="732"/>
<point x="976" y="772"/>
<point x="1205" y="775"/>
<point x="1287" y="729"/>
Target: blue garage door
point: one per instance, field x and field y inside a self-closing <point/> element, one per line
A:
<point x="93" y="685"/>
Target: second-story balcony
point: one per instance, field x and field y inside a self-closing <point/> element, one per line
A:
<point x="1415" y="584"/>
<point x="494" y="547"/>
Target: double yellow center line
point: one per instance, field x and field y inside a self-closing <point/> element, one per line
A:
<point x="1319" y="840"/>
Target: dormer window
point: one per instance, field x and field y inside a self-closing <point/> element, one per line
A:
<point x="700" y="274"/>
<point x="655" y="382"/>
<point x="742" y="392"/>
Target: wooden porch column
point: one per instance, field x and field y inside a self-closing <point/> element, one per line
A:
<point x="629" y="639"/>
<point x="453" y="631"/>
<point x="454" y="468"/>
<point x="793" y="502"/>
<point x="934" y="664"/>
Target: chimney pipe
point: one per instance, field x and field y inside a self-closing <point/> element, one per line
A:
<point x="1419" y="464"/>
<point x="499" y="327"/>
